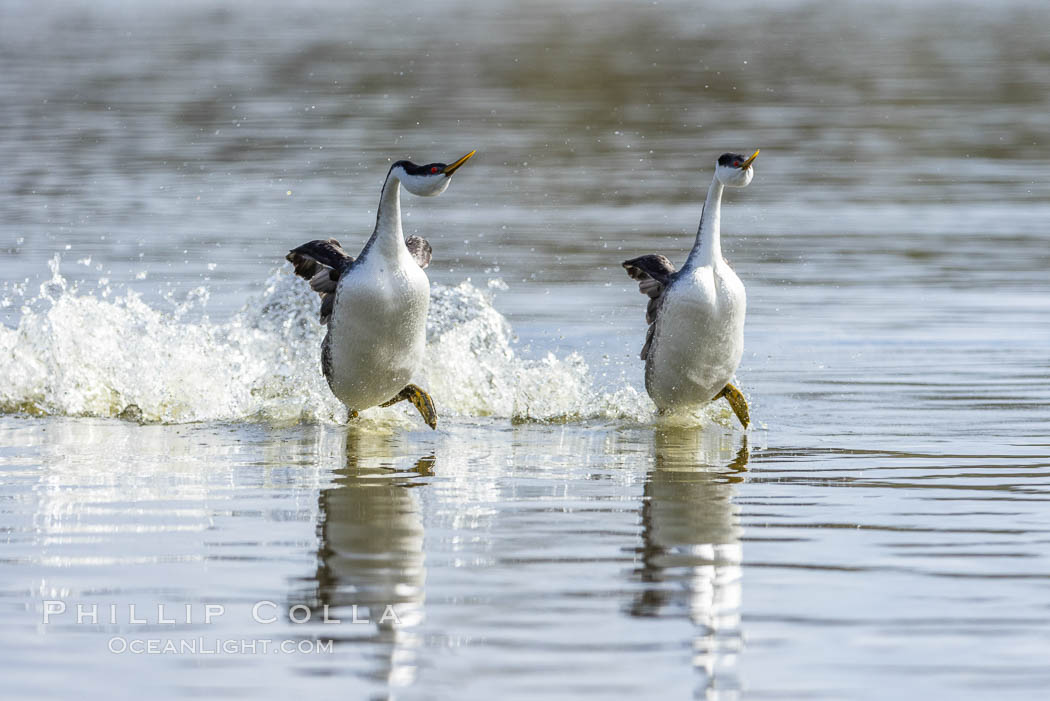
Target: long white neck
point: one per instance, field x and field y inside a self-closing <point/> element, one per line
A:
<point x="388" y="239"/>
<point x="708" y="247"/>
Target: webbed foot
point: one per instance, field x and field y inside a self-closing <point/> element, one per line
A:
<point x="421" y="400"/>
<point x="736" y="400"/>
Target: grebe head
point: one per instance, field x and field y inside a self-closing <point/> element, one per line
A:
<point x="430" y="179"/>
<point x="733" y="170"/>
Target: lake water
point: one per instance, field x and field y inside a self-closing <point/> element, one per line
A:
<point x="166" y="438"/>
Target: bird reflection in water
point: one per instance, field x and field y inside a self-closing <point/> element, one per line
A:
<point x="371" y="557"/>
<point x="691" y="553"/>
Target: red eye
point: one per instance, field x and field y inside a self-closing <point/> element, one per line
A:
<point x="434" y="169"/>
<point x="737" y="163"/>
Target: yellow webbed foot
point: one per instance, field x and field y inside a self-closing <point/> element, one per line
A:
<point x="736" y="400"/>
<point x="421" y="400"/>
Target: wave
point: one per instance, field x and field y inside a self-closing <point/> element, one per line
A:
<point x="105" y="354"/>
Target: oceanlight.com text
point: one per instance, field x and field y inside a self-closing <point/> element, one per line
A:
<point x="120" y="645"/>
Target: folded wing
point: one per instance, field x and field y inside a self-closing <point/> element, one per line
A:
<point x="322" y="263"/>
<point x="654" y="273"/>
<point x="420" y="249"/>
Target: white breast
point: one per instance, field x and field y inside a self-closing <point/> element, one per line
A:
<point x="378" y="329"/>
<point x="699" y="337"/>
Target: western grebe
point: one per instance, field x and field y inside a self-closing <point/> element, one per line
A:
<point x="375" y="306"/>
<point x="696" y="314"/>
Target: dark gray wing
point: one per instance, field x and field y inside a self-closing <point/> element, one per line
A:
<point x="653" y="273"/>
<point x="420" y="249"/>
<point x="321" y="262"/>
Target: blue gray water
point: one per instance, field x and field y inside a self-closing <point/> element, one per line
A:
<point x="166" y="438"/>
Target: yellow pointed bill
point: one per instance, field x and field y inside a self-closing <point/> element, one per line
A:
<point x="450" y="169"/>
<point x="747" y="163"/>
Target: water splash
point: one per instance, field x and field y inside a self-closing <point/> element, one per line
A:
<point x="81" y="354"/>
<point x="472" y="369"/>
<point x="105" y="354"/>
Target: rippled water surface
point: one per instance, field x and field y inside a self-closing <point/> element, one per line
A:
<point x="166" y="438"/>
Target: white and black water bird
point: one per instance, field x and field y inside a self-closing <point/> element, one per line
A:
<point x="696" y="314"/>
<point x="375" y="305"/>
